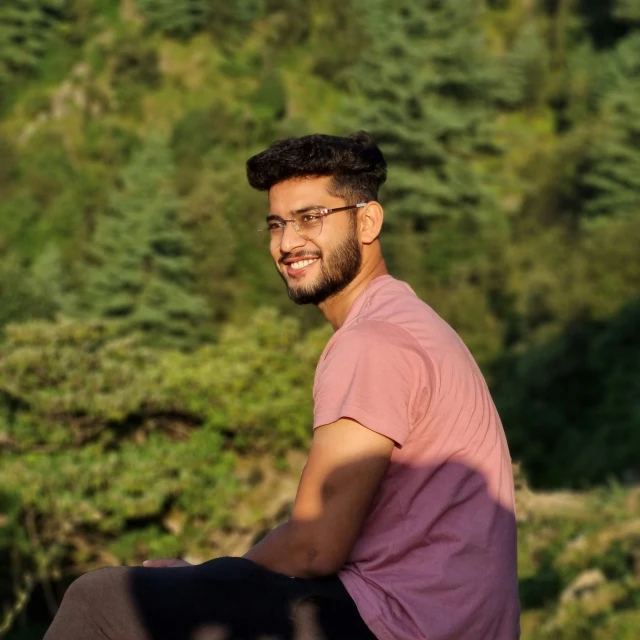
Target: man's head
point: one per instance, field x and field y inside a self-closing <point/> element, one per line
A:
<point x="319" y="252"/>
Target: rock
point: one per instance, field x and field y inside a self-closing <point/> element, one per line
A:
<point x="584" y="583"/>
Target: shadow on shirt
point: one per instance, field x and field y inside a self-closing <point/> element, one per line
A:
<point x="447" y="563"/>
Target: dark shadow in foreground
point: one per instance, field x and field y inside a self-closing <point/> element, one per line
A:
<point x="467" y="558"/>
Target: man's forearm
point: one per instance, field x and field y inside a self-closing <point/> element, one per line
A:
<point x="287" y="550"/>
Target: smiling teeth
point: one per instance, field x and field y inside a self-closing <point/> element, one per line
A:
<point x="302" y="264"/>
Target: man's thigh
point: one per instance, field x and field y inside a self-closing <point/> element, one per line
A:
<point x="223" y="599"/>
<point x="226" y="598"/>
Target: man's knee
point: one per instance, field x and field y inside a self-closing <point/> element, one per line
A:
<point x="230" y="568"/>
<point x="96" y="588"/>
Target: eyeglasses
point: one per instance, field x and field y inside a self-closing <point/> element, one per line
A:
<point x="307" y="223"/>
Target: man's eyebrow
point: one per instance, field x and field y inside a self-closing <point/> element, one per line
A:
<point x="313" y="207"/>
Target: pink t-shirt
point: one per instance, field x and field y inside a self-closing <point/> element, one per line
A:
<point x="436" y="558"/>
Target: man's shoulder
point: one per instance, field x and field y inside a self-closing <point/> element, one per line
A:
<point x="380" y="335"/>
<point x="391" y="317"/>
<point x="395" y="310"/>
<point x="396" y="306"/>
<point x="395" y="302"/>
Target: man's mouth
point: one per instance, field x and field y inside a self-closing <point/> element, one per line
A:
<point x="298" y="267"/>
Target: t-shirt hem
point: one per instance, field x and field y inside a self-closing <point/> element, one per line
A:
<point x="379" y="629"/>
<point x="371" y="618"/>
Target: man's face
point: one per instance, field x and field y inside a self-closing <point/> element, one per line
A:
<point x="314" y="270"/>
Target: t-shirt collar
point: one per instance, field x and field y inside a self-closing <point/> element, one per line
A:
<point x="363" y="296"/>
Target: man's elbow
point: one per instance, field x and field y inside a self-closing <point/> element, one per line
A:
<point x="318" y="558"/>
<point x="323" y="563"/>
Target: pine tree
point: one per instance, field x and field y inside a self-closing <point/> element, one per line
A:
<point x="428" y="89"/>
<point x="180" y="18"/>
<point x="142" y="268"/>
<point x="26" y="29"/>
<point x="611" y="181"/>
<point x="36" y="291"/>
<point x="610" y="175"/>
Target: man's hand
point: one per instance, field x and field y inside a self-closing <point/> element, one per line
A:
<point x="161" y="563"/>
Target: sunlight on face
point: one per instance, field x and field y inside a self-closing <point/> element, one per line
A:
<point x="314" y="270"/>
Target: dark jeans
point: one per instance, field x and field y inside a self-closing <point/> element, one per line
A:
<point x="223" y="599"/>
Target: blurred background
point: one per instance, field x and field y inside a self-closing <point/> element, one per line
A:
<point x="155" y="380"/>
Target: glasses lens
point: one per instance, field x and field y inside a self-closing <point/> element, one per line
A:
<point x="309" y="225"/>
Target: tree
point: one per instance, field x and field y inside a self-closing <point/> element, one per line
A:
<point x="427" y="88"/>
<point x="25" y="30"/>
<point x="578" y="393"/>
<point x="28" y="30"/>
<point x="627" y="11"/>
<point x="611" y="172"/>
<point x="429" y="91"/>
<point x="180" y="18"/>
<point x="141" y="269"/>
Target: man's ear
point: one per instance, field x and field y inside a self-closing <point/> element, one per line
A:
<point x="371" y="218"/>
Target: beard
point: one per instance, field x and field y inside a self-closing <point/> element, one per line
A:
<point x="340" y="268"/>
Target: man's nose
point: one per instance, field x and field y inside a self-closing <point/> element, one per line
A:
<point x="290" y="239"/>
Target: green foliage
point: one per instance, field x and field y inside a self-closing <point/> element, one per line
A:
<point x="512" y="207"/>
<point x="524" y="69"/>
<point x="340" y="24"/>
<point x="176" y="17"/>
<point x="430" y="90"/>
<point x="8" y="162"/>
<point x="91" y="494"/>
<point x="427" y="85"/>
<point x="214" y="246"/>
<point x="108" y="144"/>
<point x="47" y="360"/>
<point x="270" y="98"/>
<point x="94" y="380"/>
<point x="39" y="39"/>
<point x="46" y="166"/>
<point x="160" y="431"/>
<point x="32" y="292"/>
<point x="26" y="29"/>
<point x="142" y="268"/>
<point x="201" y="131"/>
<point x="611" y="180"/>
<point x="591" y="276"/>
<point x="135" y="71"/>
<point x="183" y="18"/>
<point x="627" y="11"/>
<point x="579" y="392"/>
<point x="576" y="565"/>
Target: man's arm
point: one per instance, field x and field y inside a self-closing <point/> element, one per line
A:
<point x="345" y="467"/>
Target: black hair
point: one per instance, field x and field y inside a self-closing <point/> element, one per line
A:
<point x="355" y="163"/>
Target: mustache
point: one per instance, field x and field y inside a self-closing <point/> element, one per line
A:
<point x="305" y="254"/>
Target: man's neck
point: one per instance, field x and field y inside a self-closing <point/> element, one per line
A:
<point x="336" y="308"/>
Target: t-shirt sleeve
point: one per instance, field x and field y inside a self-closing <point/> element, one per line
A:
<point x="374" y="373"/>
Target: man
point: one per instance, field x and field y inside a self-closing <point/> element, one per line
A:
<point x="403" y="525"/>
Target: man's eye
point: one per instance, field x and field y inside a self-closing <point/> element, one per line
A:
<point x="274" y="225"/>
<point x="310" y="218"/>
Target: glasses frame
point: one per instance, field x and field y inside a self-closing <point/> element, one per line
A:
<point x="320" y="213"/>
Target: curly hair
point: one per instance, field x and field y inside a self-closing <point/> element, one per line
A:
<point x="355" y="163"/>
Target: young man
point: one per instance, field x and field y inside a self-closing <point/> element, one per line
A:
<point x="403" y="526"/>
